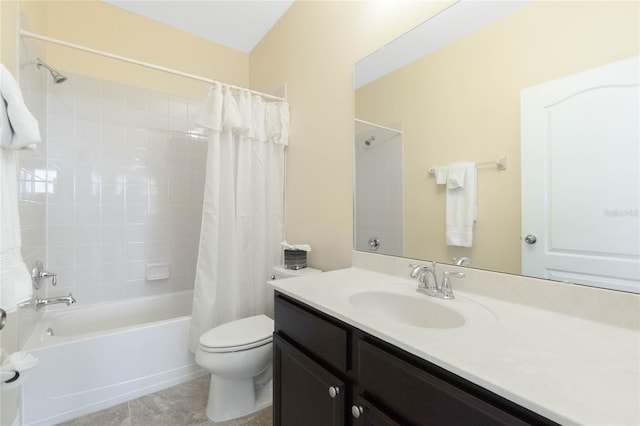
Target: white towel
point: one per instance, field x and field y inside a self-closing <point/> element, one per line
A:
<point x="461" y="209"/>
<point x="15" y="280"/>
<point x="18" y="127"/>
<point x="441" y="175"/>
<point x="18" y="130"/>
<point x="456" y="175"/>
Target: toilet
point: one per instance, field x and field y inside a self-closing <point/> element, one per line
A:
<point x="238" y="354"/>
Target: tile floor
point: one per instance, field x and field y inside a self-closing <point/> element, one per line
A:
<point x="181" y="405"/>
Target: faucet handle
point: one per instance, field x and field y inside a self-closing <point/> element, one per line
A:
<point x="447" y="291"/>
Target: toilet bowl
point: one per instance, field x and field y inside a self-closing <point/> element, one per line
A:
<point x="238" y="355"/>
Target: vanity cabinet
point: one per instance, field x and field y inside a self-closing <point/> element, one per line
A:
<point x="327" y="372"/>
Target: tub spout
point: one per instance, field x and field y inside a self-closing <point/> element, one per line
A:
<point x="38" y="303"/>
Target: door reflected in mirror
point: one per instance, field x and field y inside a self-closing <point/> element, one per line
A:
<point x="461" y="102"/>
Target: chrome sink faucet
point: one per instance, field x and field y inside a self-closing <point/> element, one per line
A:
<point x="442" y="291"/>
<point x="38" y="303"/>
<point x="422" y="272"/>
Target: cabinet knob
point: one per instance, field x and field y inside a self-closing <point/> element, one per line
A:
<point x="356" y="411"/>
<point x="333" y="391"/>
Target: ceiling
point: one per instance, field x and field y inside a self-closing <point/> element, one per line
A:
<point x="238" y="24"/>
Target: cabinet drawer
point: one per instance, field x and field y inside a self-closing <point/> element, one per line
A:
<point x="324" y="339"/>
<point x="420" y="397"/>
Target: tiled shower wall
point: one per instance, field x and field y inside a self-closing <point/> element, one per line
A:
<point x="378" y="192"/>
<point x="124" y="189"/>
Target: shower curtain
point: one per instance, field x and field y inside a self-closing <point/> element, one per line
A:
<point x="242" y="220"/>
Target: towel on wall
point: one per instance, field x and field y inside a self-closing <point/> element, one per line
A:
<point x="18" y="130"/>
<point x="461" y="204"/>
<point x="18" y="127"/>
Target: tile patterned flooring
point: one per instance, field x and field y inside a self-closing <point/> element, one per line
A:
<point x="181" y="405"/>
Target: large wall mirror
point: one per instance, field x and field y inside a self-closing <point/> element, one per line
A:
<point x="543" y="97"/>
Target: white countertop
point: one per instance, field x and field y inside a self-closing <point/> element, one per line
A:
<point x="570" y="370"/>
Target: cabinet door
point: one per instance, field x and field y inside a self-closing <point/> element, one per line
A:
<point x="365" y="413"/>
<point x="304" y="392"/>
<point x="420" y="397"/>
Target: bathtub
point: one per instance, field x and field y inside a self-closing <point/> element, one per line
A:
<point x="93" y="357"/>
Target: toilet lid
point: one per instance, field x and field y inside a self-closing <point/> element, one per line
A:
<point x="245" y="333"/>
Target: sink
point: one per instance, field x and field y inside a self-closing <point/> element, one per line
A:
<point x="417" y="311"/>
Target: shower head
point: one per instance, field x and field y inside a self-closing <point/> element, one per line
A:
<point x="370" y="140"/>
<point x="57" y="77"/>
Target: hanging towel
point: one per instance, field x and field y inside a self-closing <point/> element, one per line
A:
<point x="441" y="175"/>
<point x="18" y="127"/>
<point x="15" y="280"/>
<point x="456" y="175"/>
<point x="18" y="130"/>
<point x="461" y="205"/>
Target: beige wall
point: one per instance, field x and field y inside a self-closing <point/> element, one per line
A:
<point x="100" y="26"/>
<point x="312" y="50"/>
<point x="461" y="103"/>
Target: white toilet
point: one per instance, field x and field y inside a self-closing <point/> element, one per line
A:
<point x="238" y="355"/>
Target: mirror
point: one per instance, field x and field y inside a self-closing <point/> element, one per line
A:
<point x="451" y="90"/>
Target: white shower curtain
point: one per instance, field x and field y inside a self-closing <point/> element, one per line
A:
<point x="242" y="220"/>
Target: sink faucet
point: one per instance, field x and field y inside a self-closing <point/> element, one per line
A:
<point x="463" y="261"/>
<point x="38" y="303"/>
<point x="421" y="272"/>
<point x="443" y="291"/>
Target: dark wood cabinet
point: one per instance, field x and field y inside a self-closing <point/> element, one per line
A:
<point x="307" y="394"/>
<point x="365" y="413"/>
<point x="327" y="372"/>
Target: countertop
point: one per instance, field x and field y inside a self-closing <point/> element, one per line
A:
<point x="568" y="369"/>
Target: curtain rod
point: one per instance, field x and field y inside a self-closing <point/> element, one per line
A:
<point x="143" y="64"/>
<point x="357" y="120"/>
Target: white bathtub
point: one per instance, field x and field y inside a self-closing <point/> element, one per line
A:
<point x="102" y="355"/>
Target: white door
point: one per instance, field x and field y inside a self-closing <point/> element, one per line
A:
<point x="580" y="177"/>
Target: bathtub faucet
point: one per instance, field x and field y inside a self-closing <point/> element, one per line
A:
<point x="38" y="303"/>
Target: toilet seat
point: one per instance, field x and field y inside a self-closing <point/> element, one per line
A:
<point x="238" y="335"/>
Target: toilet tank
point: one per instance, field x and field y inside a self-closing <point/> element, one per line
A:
<point x="279" y="272"/>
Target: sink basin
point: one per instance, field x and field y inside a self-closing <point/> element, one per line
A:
<point x="417" y="311"/>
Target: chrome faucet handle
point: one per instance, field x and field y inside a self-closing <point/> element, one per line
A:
<point x="38" y="274"/>
<point x="445" y="288"/>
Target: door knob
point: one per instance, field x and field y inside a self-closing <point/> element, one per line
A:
<point x="530" y="239"/>
<point x="356" y="411"/>
<point x="334" y="391"/>
<point x="374" y="243"/>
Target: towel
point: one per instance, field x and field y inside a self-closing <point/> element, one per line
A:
<point x="456" y="175"/>
<point x="441" y="175"/>
<point x="18" y="127"/>
<point x="15" y="280"/>
<point x="18" y="130"/>
<point x="461" y="209"/>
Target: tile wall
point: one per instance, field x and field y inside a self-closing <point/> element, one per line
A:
<point x="124" y="189"/>
<point x="378" y="191"/>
